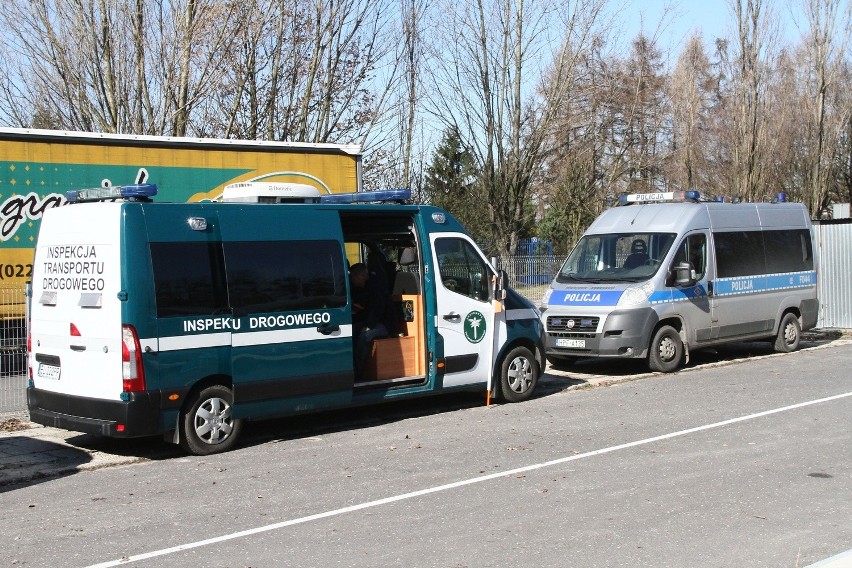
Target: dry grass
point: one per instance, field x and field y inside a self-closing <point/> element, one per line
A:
<point x="13" y="425"/>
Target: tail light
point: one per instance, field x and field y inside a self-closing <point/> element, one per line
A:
<point x="133" y="375"/>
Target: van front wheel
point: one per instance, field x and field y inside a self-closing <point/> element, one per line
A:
<point x="208" y="426"/>
<point x="518" y="375"/>
<point x="789" y="334"/>
<point x="666" y="350"/>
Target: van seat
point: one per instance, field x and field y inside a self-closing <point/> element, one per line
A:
<point x="406" y="283"/>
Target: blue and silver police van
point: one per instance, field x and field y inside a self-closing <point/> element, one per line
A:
<point x="186" y="319"/>
<point x="662" y="274"/>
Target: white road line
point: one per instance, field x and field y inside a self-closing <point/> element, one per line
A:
<point x="387" y="500"/>
<point x="842" y="560"/>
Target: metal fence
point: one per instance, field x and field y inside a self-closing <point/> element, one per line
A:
<point x="529" y="275"/>
<point x="834" y="243"/>
<point x="13" y="355"/>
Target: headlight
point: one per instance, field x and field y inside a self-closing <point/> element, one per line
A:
<point x="545" y="299"/>
<point x="636" y="295"/>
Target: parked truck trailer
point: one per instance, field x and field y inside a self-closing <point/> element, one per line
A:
<point x="37" y="168"/>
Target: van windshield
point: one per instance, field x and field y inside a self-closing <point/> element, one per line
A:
<point x="617" y="257"/>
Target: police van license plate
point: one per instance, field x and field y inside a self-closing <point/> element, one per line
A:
<point x="48" y="371"/>
<point x="576" y="343"/>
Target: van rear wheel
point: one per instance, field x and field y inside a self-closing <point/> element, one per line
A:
<point x="789" y="334"/>
<point x="518" y="375"/>
<point x="208" y="426"/>
<point x="666" y="352"/>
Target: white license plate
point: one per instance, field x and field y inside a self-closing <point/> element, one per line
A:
<point x="576" y="343"/>
<point x="48" y="371"/>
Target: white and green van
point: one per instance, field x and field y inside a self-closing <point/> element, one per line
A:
<point x="666" y="273"/>
<point x="186" y="319"/>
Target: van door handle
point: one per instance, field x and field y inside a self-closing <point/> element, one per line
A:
<point x="328" y="329"/>
<point x="78" y="348"/>
<point x="452" y="317"/>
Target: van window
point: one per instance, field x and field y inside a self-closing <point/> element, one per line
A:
<point x="739" y="253"/>
<point x="275" y="276"/>
<point x="788" y="251"/>
<point x="693" y="250"/>
<point x="188" y="279"/>
<point x="461" y="269"/>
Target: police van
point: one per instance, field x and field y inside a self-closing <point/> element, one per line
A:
<point x="662" y="274"/>
<point x="186" y="319"/>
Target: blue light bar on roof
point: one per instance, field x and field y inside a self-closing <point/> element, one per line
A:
<point x="131" y="192"/>
<point x="384" y="195"/>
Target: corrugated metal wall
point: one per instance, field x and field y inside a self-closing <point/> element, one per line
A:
<point x="834" y="242"/>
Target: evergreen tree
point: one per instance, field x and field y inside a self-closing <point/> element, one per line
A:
<point x="452" y="183"/>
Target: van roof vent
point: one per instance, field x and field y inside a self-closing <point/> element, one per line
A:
<point x="270" y="192"/>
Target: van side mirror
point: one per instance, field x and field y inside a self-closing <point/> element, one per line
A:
<point x="684" y="274"/>
<point x="501" y="283"/>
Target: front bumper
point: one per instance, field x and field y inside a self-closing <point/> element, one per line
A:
<point x="625" y="334"/>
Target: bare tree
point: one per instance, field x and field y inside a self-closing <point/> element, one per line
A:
<point x="396" y="137"/>
<point x="116" y="65"/>
<point x="487" y="90"/>
<point x="578" y="168"/>
<point x="413" y="12"/>
<point x="690" y="89"/>
<point x="750" y="76"/>
<point x="824" y="48"/>
<point x="642" y="108"/>
<point x="306" y="71"/>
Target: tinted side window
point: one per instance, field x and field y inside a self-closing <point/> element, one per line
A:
<point x="788" y="251"/>
<point x="188" y="279"/>
<point x="461" y="268"/>
<point x="276" y="276"/>
<point x="739" y="253"/>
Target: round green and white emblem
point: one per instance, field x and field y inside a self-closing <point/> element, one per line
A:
<point x="474" y="327"/>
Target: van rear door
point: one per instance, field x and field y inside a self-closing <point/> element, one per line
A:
<point x="76" y="336"/>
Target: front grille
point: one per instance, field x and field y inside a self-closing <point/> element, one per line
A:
<point x="580" y="324"/>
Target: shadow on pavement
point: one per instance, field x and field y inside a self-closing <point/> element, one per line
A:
<point x="583" y="370"/>
<point x="30" y="460"/>
<point x="152" y="448"/>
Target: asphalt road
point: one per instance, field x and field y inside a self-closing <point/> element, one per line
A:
<point x="743" y="464"/>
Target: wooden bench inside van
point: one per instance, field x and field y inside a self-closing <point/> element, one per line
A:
<point x="404" y="355"/>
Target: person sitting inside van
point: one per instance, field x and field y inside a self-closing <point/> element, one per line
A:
<point x="372" y="312"/>
<point x="638" y="254"/>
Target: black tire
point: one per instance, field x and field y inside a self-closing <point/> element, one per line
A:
<point x="789" y="334"/>
<point x="518" y="375"/>
<point x="207" y="425"/>
<point x="666" y="351"/>
<point x="560" y="361"/>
